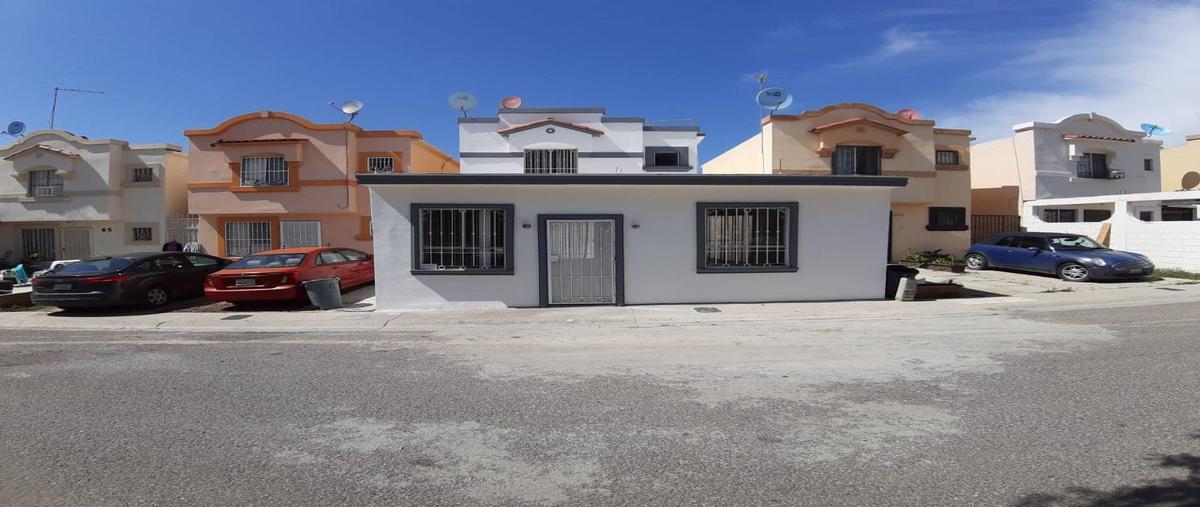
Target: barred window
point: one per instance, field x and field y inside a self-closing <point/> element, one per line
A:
<point x="45" y="183"/>
<point x="558" y="161"/>
<point x="142" y="174"/>
<point x="1058" y="215"/>
<point x="463" y="238"/>
<point x="947" y="219"/>
<point x="946" y="157"/>
<point x="741" y="237"/>
<point x="1093" y="165"/>
<point x="381" y="164"/>
<point x="268" y="171"/>
<point x="246" y="238"/>
<point x="141" y="233"/>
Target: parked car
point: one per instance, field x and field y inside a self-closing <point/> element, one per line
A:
<point x="279" y="275"/>
<point x="1072" y="257"/>
<point x="150" y="279"/>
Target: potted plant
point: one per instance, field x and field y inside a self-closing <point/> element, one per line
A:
<point x="935" y="260"/>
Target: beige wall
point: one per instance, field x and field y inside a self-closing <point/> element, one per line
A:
<point x="792" y="147"/>
<point x="323" y="185"/>
<point x="1178" y="162"/>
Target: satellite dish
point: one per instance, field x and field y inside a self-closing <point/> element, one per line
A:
<point x="15" y="128"/>
<point x="1190" y="180"/>
<point x="908" y="113"/>
<point x="1152" y="130"/>
<point x="349" y="107"/>
<point x="787" y="102"/>
<point x="463" y="101"/>
<point x="511" y="102"/>
<point x="773" y="98"/>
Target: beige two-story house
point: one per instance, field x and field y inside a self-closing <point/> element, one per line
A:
<point x="931" y="213"/>
<point x="64" y="196"/>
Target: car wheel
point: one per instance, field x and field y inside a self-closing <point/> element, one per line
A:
<point x="157" y="296"/>
<point x="1073" y="272"/>
<point x="976" y="261"/>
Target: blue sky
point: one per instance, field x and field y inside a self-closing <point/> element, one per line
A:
<point x="983" y="65"/>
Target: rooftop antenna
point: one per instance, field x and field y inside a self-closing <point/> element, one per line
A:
<point x="54" y="104"/>
<point x="1152" y="130"/>
<point x="349" y="107"/>
<point x="15" y="128"/>
<point x="463" y="101"/>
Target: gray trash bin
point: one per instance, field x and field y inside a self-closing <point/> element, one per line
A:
<point x="325" y="293"/>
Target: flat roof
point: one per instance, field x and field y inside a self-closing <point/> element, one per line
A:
<point x="633" y="179"/>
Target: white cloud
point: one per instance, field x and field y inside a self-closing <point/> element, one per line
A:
<point x="1132" y="61"/>
<point x="897" y="40"/>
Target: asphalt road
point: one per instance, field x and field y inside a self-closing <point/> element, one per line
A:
<point x="1036" y="408"/>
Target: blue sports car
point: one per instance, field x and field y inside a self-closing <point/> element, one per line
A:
<point x="1072" y="257"/>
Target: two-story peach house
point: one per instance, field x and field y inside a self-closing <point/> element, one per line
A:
<point x="270" y="179"/>
<point x="64" y="196"/>
<point x="931" y="213"/>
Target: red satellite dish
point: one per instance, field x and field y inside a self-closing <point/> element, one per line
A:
<point x="510" y="102"/>
<point x="908" y="113"/>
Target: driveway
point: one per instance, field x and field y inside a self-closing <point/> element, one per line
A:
<point x="1015" y="283"/>
<point x="880" y="404"/>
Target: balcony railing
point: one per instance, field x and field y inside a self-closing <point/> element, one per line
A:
<point x="1100" y="173"/>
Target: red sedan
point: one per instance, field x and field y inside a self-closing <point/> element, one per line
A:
<point x="279" y="275"/>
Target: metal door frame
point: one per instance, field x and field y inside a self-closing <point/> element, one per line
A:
<point x="618" y="251"/>
<point x="62" y="245"/>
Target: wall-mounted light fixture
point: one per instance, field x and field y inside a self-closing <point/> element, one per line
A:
<point x="526" y="226"/>
<point x="636" y="226"/>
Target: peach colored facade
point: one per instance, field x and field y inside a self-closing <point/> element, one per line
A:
<point x="1181" y="166"/>
<point x="805" y="144"/>
<point x="318" y="196"/>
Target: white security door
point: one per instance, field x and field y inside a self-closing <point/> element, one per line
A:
<point x="76" y="243"/>
<point x="294" y="233"/>
<point x="581" y="262"/>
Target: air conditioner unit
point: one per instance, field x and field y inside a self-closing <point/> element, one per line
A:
<point x="1116" y="174"/>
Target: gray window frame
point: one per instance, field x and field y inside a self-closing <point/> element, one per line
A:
<point x="852" y="153"/>
<point x="510" y="237"/>
<point x="681" y="153"/>
<point x="792" y="243"/>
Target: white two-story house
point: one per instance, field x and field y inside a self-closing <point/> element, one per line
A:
<point x="574" y="140"/>
<point x="1083" y="155"/>
<point x="64" y="196"/>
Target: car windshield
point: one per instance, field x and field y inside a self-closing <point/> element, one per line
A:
<point x="95" y="266"/>
<point x="1074" y="243"/>
<point x="269" y="261"/>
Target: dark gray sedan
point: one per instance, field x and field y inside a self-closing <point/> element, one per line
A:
<point x="147" y="279"/>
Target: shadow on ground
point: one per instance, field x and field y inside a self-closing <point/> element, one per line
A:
<point x="1183" y="491"/>
<point x="357" y="298"/>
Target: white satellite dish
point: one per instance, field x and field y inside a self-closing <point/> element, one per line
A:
<point x="773" y="98"/>
<point x="15" y="128"/>
<point x="463" y="101"/>
<point x="349" y="107"/>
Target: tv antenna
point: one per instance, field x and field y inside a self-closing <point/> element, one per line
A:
<point x="54" y="104"/>
<point x="15" y="128"/>
<point x="350" y="108"/>
<point x="463" y="101"/>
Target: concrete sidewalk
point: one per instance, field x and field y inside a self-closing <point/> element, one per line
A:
<point x="359" y="320"/>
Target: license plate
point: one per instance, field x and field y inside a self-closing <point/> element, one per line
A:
<point x="245" y="282"/>
<point x="62" y="286"/>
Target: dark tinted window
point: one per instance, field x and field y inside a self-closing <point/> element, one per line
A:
<point x="171" y="262"/>
<point x="1026" y="242"/>
<point x="857" y="160"/>
<point x="1005" y="241"/>
<point x="95" y="266"/>
<point x="1096" y="215"/>
<point x="201" y="261"/>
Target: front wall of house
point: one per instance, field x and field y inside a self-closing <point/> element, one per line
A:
<point x="1056" y="170"/>
<point x="842" y="243"/>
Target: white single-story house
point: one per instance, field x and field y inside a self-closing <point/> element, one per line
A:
<point x="528" y="240"/>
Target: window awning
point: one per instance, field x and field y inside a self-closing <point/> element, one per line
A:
<point x="1098" y="138"/>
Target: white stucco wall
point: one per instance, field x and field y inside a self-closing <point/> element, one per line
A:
<point x="1167" y="244"/>
<point x="480" y="136"/>
<point x="842" y="243"/>
<point x="1056" y="169"/>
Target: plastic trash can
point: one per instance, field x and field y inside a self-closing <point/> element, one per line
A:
<point x="324" y="293"/>
<point x="894" y="273"/>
